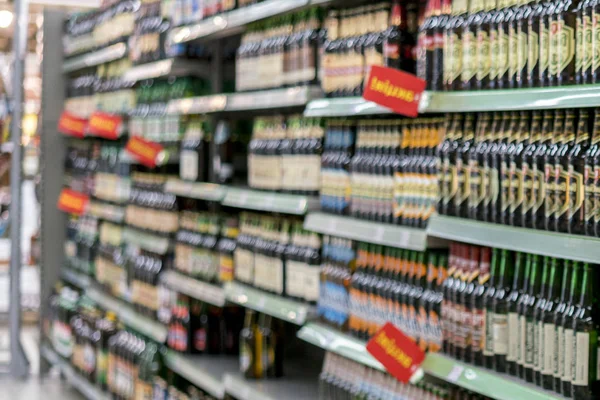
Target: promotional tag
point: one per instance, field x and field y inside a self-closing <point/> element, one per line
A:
<point x="72" y="125"/>
<point x="400" y="356"/>
<point x="146" y="152"/>
<point x="394" y="89"/>
<point x="105" y="125"/>
<point x="73" y="202"/>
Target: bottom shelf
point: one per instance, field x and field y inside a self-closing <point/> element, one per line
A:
<point x="479" y="380"/>
<point x="83" y="386"/>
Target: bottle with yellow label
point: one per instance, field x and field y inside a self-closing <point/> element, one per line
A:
<point x="517" y="197"/>
<point x="549" y="175"/>
<point x="563" y="27"/>
<point x="501" y="43"/>
<point x="591" y="177"/>
<point x="562" y="173"/>
<point x="576" y="160"/>
<point x="454" y="36"/>
<point x="470" y="45"/>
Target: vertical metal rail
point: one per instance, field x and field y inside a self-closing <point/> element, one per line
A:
<point x="19" y="366"/>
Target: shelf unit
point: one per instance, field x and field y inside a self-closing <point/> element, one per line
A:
<point x="75" y="278"/>
<point x="83" y="386"/>
<point x="107" y="54"/>
<point x="559" y="245"/>
<point x="285" y="309"/>
<point x="146" y="241"/>
<point x="157" y="69"/>
<point x="206" y="292"/>
<point x="371" y="232"/>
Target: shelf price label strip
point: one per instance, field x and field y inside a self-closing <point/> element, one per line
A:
<point x="148" y="153"/>
<point x="73" y="202"/>
<point x="72" y="125"/>
<point x="194" y="288"/>
<point x="104" y="125"/>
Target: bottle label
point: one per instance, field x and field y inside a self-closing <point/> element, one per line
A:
<point x="567" y="45"/>
<point x="596" y="35"/>
<point x="569" y="340"/>
<point x="550" y="192"/>
<point x="494" y="52"/>
<point x="312" y="281"/>
<point x="544" y="48"/>
<point x="533" y="50"/>
<point x="576" y="192"/>
<point x="537" y="345"/>
<point x="483" y="59"/>
<point x="582" y="359"/>
<point x="478" y="329"/>
<point x="245" y="357"/>
<point x="563" y="190"/>
<point x="503" y="50"/>
<point x="513" y="55"/>
<point x="456" y="57"/>
<point x="189" y="165"/>
<point x="559" y="362"/>
<point x="554" y="55"/>
<point x="476" y="184"/>
<point x="528" y="179"/>
<point x="505" y="181"/>
<point x="597" y="193"/>
<point x="588" y="32"/>
<point x="516" y="187"/>
<point x="530" y="339"/>
<point x="488" y="350"/>
<point x="549" y="353"/>
<point x="500" y="332"/>
<point x="522" y="335"/>
<point x="494" y="186"/>
<point x="513" y="340"/>
<point x="539" y="363"/>
<point x="469" y="56"/>
<point x="522" y="50"/>
<point x="588" y="178"/>
<point x="579" y="56"/>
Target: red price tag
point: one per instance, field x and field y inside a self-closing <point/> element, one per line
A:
<point x="73" y="202"/>
<point x="394" y="89"/>
<point x="72" y="125"/>
<point x="400" y="356"/>
<point x="148" y="153"/>
<point x="105" y="125"/>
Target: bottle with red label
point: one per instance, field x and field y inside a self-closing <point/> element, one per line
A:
<point x="477" y="306"/>
<point x="399" y="43"/>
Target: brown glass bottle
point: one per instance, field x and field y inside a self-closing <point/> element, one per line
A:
<point x="584" y="39"/>
<point x="492" y="167"/>
<point x="484" y="45"/>
<point x="516" y="168"/>
<point x="488" y="300"/>
<point x="494" y="43"/>
<point x="590" y="178"/>
<point x="595" y="11"/>
<point x="549" y="171"/>
<point x="528" y="176"/>
<point x="538" y="343"/>
<point x="562" y="43"/>
<point x="438" y="62"/>
<point x="505" y="151"/>
<point x="521" y="304"/>
<point x="470" y="44"/>
<point x="536" y="214"/>
<point x="399" y="42"/>
<point x="469" y="323"/>
<point x="461" y="199"/>
<point x="511" y="19"/>
<point x="535" y="290"/>
<point x="577" y="159"/>
<point x="502" y="64"/>
<point x="533" y="42"/>
<point x="476" y="169"/>
<point x="249" y="359"/>
<point x="516" y="292"/>
<point x="561" y="172"/>
<point x="548" y="329"/>
<point x="477" y="306"/>
<point x="500" y="310"/>
<point x="453" y="58"/>
<point x="544" y="21"/>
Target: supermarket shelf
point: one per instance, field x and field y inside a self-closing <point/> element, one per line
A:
<point x="484" y="382"/>
<point x="202" y="191"/>
<point x="299" y="383"/>
<point x="157" y="69"/>
<point x="270" y="201"/>
<point x="572" y="247"/>
<point x="82" y="385"/>
<point x="343" y="106"/>
<point x="194" y="288"/>
<point x="371" y="232"/>
<point x="204" y="371"/>
<point x="276" y="306"/>
<point x="247" y="101"/>
<point x="477" y="380"/>
<point x="153" y="329"/>
<point x="75" y="278"/>
<point x="106" y="211"/>
<point x="336" y="342"/>
<point x="107" y="54"/>
<point x="147" y="241"/>
<point x="234" y="21"/>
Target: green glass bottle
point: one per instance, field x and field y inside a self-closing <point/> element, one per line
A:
<point x="521" y="315"/>
<point x="548" y="329"/>
<point x="568" y="335"/>
<point x="539" y="326"/>
<point x="488" y="347"/>
<point x="557" y="319"/>
<point x="500" y="309"/>
<point x="513" y="316"/>
<point x="535" y="288"/>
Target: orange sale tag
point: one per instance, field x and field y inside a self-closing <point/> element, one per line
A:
<point x="72" y="125"/>
<point x="146" y="152"/>
<point x="73" y="202"/>
<point x="105" y="125"/>
<point x="397" y="90"/>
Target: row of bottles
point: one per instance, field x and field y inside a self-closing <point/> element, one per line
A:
<point x="389" y="174"/>
<point x="362" y="37"/>
<point x="187" y="12"/>
<point x="525" y="315"/>
<point x="261" y="346"/>
<point x="279" y="52"/>
<point x="472" y="45"/>
<point x="285" y="154"/>
<point x="199" y="328"/>
<point x="342" y="378"/>
<point x="535" y="170"/>
<point x="279" y="256"/>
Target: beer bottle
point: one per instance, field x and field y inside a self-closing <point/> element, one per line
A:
<point x="269" y="347"/>
<point x="447" y="302"/>
<point x="492" y="167"/>
<point x="470" y="324"/>
<point x="595" y="11"/>
<point x="484" y="45"/>
<point x="461" y="199"/>
<point x="513" y="42"/>
<point x="528" y="176"/>
<point x="470" y="44"/>
<point x="585" y="326"/>
<point x="500" y="310"/>
<point x="438" y="62"/>
<point x="494" y="43"/>
<point x="476" y="162"/>
<point x="425" y="42"/>
<point x="516" y="293"/>
<point x="249" y="358"/>
<point x="568" y="338"/>
<point x="455" y="163"/>
<point x="535" y="288"/>
<point x="453" y="58"/>
<point x="460" y="283"/>
<point x="506" y="178"/>
<point x="516" y="197"/>
<point x="533" y="42"/>
<point x="563" y="24"/>
<point x="521" y="303"/>
<point x="576" y="172"/>
<point x="488" y="300"/>
<point x="538" y="343"/>
<point x="590" y="178"/>
<point x="501" y="23"/>
<point x="548" y="329"/>
<point x="444" y="173"/>
<point x="537" y="212"/>
<point x="561" y="174"/>
<point x="523" y="41"/>
<point x="559" y="343"/>
<point x="584" y="46"/>
<point x="549" y="171"/>
<point x="477" y="306"/>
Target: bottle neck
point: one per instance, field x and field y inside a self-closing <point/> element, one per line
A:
<point x="535" y="283"/>
<point x="566" y="275"/>
<point x="575" y="291"/>
<point x="583" y="128"/>
<point x="589" y="279"/>
<point x="545" y="276"/>
<point x="495" y="267"/>
<point x="517" y="283"/>
<point x="553" y="281"/>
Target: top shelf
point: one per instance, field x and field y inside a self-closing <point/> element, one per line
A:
<point x="468" y="101"/>
<point x="233" y="22"/>
<point x="107" y="54"/>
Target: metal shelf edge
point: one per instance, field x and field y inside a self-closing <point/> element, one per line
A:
<point x="75" y="278"/>
<point x="107" y="54"/>
<point x="198" y="376"/>
<point x="192" y="287"/>
<point x="194" y="190"/>
<point x="269" y="201"/>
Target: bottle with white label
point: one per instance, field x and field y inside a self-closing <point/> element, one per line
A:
<point x="548" y="347"/>
<point x="500" y="310"/>
<point x="521" y="316"/>
<point x="538" y="327"/>
<point x="556" y="319"/>
<point x="513" y="317"/>
<point x="488" y="348"/>
<point x="535" y="288"/>
<point x="568" y="336"/>
<point x="585" y="350"/>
